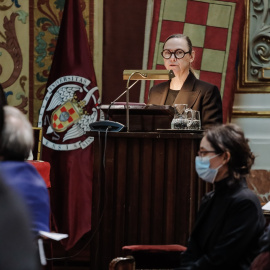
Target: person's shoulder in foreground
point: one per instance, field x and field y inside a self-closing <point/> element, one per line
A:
<point x="17" y="246"/>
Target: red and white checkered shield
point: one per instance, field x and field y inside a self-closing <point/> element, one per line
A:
<point x="65" y="116"/>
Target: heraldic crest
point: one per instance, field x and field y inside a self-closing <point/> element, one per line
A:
<point x="67" y="111"/>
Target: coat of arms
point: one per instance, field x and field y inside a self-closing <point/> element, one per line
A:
<point x="68" y="116"/>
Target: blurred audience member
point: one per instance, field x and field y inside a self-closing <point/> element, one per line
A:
<point x="17" y="250"/>
<point x="16" y="143"/>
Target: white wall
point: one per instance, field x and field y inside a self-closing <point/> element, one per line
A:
<point x="257" y="129"/>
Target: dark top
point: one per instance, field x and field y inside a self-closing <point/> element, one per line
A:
<point x="171" y="96"/>
<point x="227" y="229"/>
<point x="265" y="240"/>
<point x="27" y="182"/>
<point x="198" y="95"/>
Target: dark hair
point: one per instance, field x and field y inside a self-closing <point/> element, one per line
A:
<point x="230" y="138"/>
<point x="188" y="43"/>
<point x="180" y="36"/>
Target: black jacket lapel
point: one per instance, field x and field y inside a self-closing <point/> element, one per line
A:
<point x="188" y="95"/>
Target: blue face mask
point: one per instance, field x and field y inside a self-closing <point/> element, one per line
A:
<point x="203" y="169"/>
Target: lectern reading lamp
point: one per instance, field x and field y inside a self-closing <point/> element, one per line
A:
<point x="143" y="75"/>
<point x="137" y="75"/>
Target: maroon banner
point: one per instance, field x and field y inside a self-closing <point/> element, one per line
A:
<point x="70" y="105"/>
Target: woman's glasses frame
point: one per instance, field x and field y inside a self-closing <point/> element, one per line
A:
<point x="204" y="153"/>
<point x="182" y="53"/>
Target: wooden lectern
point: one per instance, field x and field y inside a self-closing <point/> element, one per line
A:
<point x="142" y="117"/>
<point x="145" y="191"/>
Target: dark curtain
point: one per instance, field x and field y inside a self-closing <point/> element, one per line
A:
<point x="124" y="25"/>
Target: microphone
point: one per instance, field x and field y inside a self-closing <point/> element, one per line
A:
<point x="113" y="126"/>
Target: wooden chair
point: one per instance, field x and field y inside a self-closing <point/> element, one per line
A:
<point x="261" y="262"/>
<point x="155" y="256"/>
<point x="122" y="263"/>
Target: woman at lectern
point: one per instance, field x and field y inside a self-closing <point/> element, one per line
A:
<point x="185" y="88"/>
<point x="230" y="220"/>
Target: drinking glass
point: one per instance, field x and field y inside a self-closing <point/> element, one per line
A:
<point x="194" y="120"/>
<point x="180" y="119"/>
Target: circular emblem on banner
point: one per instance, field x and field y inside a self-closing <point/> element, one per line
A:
<point x="66" y="113"/>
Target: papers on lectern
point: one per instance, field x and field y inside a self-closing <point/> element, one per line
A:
<point x="53" y="235"/>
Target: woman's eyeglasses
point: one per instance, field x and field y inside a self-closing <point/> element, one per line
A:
<point x="204" y="153"/>
<point x="179" y="54"/>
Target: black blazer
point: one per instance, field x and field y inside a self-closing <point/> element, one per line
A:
<point x="227" y="229"/>
<point x="199" y="95"/>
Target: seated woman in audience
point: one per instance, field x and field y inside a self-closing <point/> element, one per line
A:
<point x="230" y="220"/>
<point x="17" y="249"/>
<point x="15" y="144"/>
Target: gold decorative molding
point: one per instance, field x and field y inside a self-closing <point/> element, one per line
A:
<point x="250" y="114"/>
<point x="37" y="151"/>
<point x="148" y="74"/>
<point x="98" y="42"/>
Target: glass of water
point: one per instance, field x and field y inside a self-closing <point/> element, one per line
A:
<point x="194" y="120"/>
<point x="180" y="117"/>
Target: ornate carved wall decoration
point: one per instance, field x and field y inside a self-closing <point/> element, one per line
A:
<point x="255" y="53"/>
<point x="259" y="44"/>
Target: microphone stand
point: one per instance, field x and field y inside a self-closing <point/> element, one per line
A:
<point x="107" y="115"/>
<point x="127" y="95"/>
<point x="108" y="125"/>
<point x="143" y="75"/>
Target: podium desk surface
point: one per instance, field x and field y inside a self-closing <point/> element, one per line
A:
<point x="157" y="135"/>
<point x="139" y="109"/>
